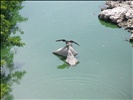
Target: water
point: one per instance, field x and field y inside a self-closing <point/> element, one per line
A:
<point x="105" y="59"/>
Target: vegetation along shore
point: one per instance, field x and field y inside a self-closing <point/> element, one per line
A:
<point x="10" y="36"/>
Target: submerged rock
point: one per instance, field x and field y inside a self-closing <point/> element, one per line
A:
<point x="119" y="12"/>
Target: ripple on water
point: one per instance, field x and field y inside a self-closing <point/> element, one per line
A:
<point x="87" y="85"/>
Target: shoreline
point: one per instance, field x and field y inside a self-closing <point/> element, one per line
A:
<point x="119" y="12"/>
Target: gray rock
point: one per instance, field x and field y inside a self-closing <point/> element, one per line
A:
<point x="131" y="38"/>
<point x="119" y="12"/>
<point x="69" y="53"/>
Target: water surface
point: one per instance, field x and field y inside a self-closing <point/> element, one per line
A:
<point x="105" y="68"/>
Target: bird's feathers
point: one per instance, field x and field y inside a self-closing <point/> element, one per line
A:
<point x="63" y="40"/>
<point x="74" y="42"/>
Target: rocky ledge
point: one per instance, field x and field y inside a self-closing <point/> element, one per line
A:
<point x="119" y="12"/>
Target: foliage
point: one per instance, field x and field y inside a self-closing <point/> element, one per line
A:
<point x="6" y="56"/>
<point x="2" y="62"/>
<point x="13" y="75"/>
<point x="7" y="81"/>
<point x="4" y="89"/>
<point x="6" y="60"/>
<point x="9" y="18"/>
<point x="17" y="76"/>
<point x="10" y="34"/>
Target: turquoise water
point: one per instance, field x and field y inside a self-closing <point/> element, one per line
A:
<point x="104" y="70"/>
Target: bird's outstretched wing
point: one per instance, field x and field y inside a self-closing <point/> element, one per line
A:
<point x="74" y="42"/>
<point x="61" y="40"/>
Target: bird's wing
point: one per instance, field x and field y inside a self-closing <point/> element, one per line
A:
<point x="74" y="42"/>
<point x="61" y="40"/>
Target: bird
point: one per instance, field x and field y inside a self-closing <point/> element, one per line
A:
<point x="67" y="42"/>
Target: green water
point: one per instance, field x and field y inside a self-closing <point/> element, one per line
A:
<point x="104" y="70"/>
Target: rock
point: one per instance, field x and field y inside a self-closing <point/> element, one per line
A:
<point x="131" y="38"/>
<point x="71" y="60"/>
<point x="105" y="7"/>
<point x="129" y="14"/>
<point x="69" y="53"/>
<point x="64" y="51"/>
<point x="119" y="12"/>
<point x="61" y="51"/>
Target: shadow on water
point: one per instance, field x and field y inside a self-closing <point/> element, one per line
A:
<point x="111" y="25"/>
<point x="64" y="65"/>
<point x="131" y="44"/>
<point x="10" y="73"/>
<point x="108" y="24"/>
